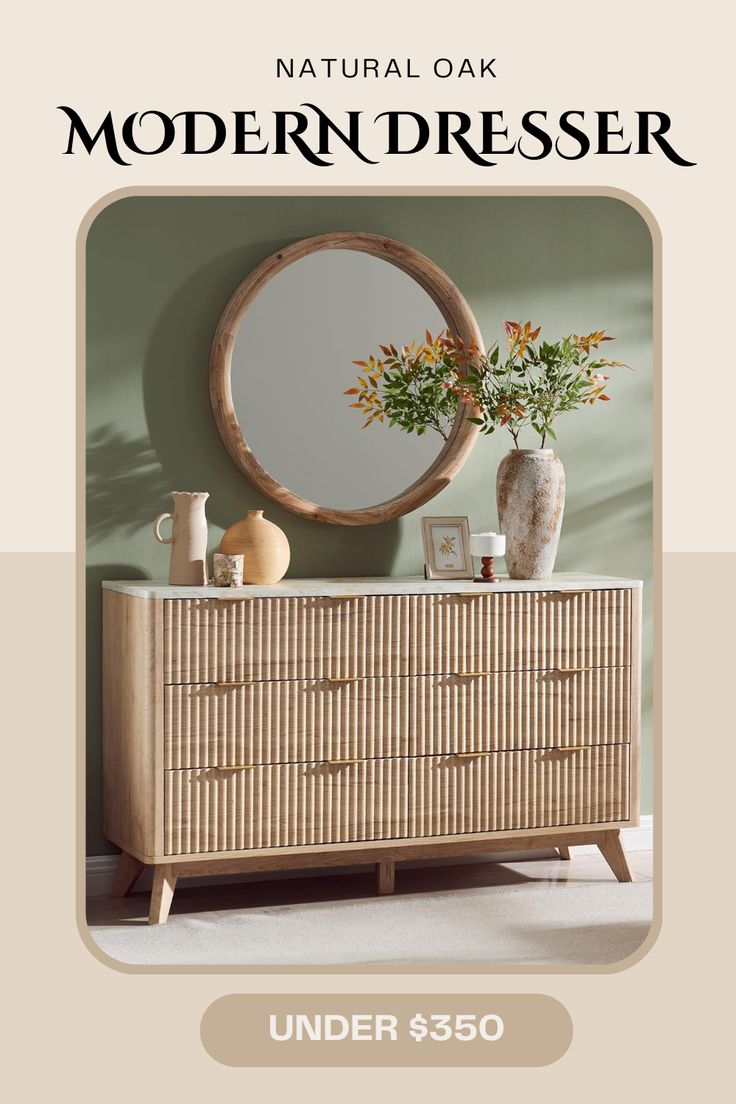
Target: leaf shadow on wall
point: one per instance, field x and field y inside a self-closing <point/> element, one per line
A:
<point x="126" y="487"/>
<point x="188" y="447"/>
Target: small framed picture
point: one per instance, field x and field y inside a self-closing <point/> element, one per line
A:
<point x="447" y="548"/>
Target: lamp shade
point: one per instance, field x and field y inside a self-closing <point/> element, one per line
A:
<point x="487" y="544"/>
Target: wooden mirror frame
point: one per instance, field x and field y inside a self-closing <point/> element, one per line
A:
<point x="459" y="318"/>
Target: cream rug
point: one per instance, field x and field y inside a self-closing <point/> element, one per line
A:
<point x="592" y="921"/>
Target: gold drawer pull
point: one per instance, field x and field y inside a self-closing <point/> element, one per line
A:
<point x="571" y="590"/>
<point x="344" y="762"/>
<point x="241" y="682"/>
<point x="345" y="678"/>
<point x="470" y="754"/>
<point x="237" y="766"/>
<point x="237" y="597"/>
<point x="572" y="670"/>
<point x="338" y="597"/>
<point x="472" y="674"/>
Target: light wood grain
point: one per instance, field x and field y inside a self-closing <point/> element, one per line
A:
<point x="286" y="638"/>
<point x="282" y="638"/>
<point x="384" y="857"/>
<point x="162" y="893"/>
<point x="357" y="854"/>
<point x="337" y="853"/>
<point x="517" y="710"/>
<point x="132" y="722"/>
<point x="460" y="321"/>
<point x="540" y="750"/>
<point x="285" y="721"/>
<point x="385" y="878"/>
<point x="519" y="631"/>
<point x="610" y="847"/>
<point x="302" y="804"/>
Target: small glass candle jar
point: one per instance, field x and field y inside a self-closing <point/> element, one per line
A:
<point x="228" y="569"/>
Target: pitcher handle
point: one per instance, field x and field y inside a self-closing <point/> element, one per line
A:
<point x="157" y="529"/>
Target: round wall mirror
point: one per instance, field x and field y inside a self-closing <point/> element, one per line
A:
<point x="283" y="357"/>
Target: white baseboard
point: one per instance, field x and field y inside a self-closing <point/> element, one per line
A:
<point x="633" y="839"/>
<point x="101" y="868"/>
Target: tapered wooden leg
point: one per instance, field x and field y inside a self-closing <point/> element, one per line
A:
<point x="610" y="847"/>
<point x="164" y="883"/>
<point x="126" y="875"/>
<point x="385" y="877"/>
<point x="564" y="851"/>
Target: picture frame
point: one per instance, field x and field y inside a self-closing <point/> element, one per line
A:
<point x="447" y="548"/>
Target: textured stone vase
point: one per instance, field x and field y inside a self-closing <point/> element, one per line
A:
<point x="188" y="540"/>
<point x="530" y="498"/>
<point x="263" y="544"/>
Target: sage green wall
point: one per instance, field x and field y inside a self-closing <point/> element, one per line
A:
<point x="159" y="272"/>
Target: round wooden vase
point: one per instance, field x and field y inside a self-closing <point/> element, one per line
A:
<point x="263" y="545"/>
<point x="530" y="498"/>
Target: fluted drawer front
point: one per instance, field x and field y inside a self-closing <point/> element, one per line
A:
<point x="282" y="722"/>
<point x="281" y="806"/>
<point x="211" y="640"/>
<point x="301" y="804"/>
<point x="522" y="709"/>
<point x="518" y="789"/>
<point x="520" y="631"/>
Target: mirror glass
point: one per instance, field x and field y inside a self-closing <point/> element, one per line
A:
<point x="293" y="359"/>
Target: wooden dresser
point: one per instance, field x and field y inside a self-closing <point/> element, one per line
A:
<point x="326" y="722"/>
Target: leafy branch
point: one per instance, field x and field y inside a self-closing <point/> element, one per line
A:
<point x="417" y="387"/>
<point x="537" y="382"/>
<point x="423" y="385"/>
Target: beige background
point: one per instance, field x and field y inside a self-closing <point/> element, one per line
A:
<point x="100" y="1032"/>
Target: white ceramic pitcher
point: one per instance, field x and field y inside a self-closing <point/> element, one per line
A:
<point x="188" y="540"/>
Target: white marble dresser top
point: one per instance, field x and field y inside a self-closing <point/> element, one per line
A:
<point x="409" y="584"/>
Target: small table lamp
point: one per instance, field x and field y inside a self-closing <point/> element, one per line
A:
<point x="486" y="546"/>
